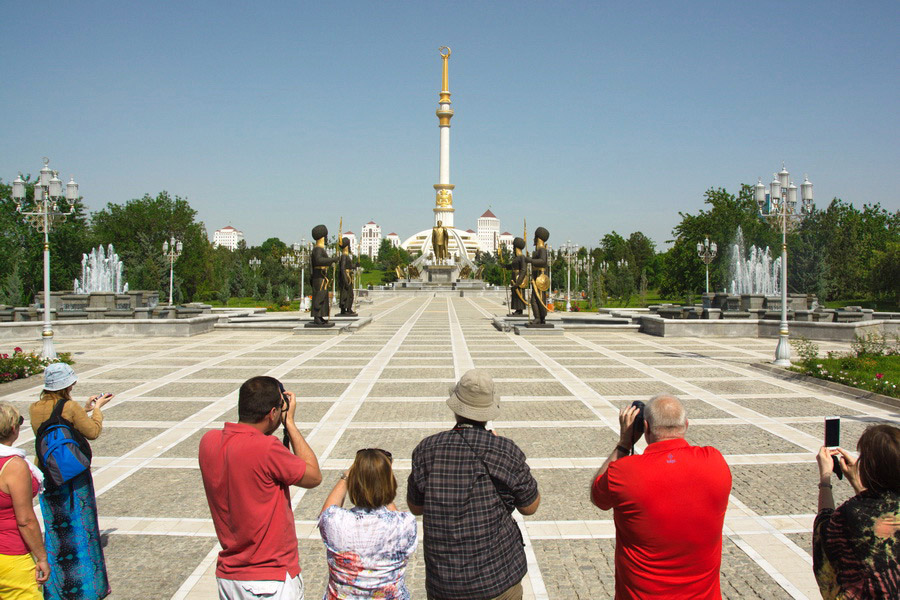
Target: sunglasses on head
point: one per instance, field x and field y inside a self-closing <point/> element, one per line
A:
<point x="21" y="420"/>
<point x="390" y="456"/>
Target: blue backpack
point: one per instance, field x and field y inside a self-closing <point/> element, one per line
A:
<point x="63" y="453"/>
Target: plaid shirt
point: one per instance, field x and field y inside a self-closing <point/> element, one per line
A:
<point x="469" y="481"/>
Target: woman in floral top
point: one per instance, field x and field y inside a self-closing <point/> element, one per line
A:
<point x="368" y="546"/>
<point x="856" y="547"/>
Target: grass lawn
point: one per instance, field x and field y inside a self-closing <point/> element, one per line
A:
<point x="880" y="374"/>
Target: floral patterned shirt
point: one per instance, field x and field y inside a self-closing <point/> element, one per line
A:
<point x="367" y="552"/>
<point x="856" y="548"/>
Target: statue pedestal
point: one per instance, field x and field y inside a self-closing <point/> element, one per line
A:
<point x="441" y="273"/>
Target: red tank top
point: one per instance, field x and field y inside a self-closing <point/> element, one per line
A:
<point x="11" y="541"/>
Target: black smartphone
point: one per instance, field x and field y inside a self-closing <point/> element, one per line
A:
<point x="833" y="440"/>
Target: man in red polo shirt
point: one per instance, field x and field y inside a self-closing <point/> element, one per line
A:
<point x="669" y="507"/>
<point x="246" y="473"/>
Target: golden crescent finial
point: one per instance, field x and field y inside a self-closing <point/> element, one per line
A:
<point x="441" y="51"/>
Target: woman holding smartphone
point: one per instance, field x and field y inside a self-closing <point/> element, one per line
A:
<point x="72" y="533"/>
<point x="368" y="546"/>
<point x="855" y="546"/>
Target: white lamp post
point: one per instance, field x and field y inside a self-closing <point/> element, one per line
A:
<point x="706" y="250"/>
<point x="171" y="250"/>
<point x="568" y="275"/>
<point x="780" y="208"/>
<point x="292" y="260"/>
<point x="42" y="214"/>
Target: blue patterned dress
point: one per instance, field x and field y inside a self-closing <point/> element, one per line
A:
<point x="368" y="550"/>
<point x="72" y="537"/>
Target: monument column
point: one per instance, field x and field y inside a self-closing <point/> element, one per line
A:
<point x="443" y="204"/>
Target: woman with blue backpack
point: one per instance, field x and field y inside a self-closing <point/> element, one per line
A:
<point x="62" y="429"/>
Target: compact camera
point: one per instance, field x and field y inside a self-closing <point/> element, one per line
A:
<point x="638" y="427"/>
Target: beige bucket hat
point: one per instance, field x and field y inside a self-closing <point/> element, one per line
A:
<point x="474" y="397"/>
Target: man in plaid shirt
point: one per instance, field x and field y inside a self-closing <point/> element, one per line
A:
<point x="466" y="482"/>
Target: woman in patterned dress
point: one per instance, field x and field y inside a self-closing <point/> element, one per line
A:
<point x="856" y="547"/>
<point x="368" y="546"/>
<point x="72" y="532"/>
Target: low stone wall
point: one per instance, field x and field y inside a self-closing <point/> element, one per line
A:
<point x="88" y="328"/>
<point x="764" y="328"/>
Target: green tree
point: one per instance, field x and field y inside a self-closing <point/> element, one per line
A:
<point x="137" y="230"/>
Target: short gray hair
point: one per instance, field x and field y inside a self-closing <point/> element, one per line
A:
<point x="665" y="412"/>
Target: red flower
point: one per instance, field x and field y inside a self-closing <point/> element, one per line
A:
<point x="17" y="350"/>
<point x="879" y="375"/>
<point x="349" y="565"/>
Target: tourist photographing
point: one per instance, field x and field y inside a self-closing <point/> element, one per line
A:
<point x="72" y="531"/>
<point x="668" y="505"/>
<point x="466" y="482"/>
<point x="368" y="546"/>
<point x="856" y="546"/>
<point x="23" y="559"/>
<point x="247" y="473"/>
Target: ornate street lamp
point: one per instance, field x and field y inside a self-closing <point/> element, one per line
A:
<point x="779" y="208"/>
<point x="44" y="212"/>
<point x="706" y="250"/>
<point x="171" y="250"/>
<point x="254" y="263"/>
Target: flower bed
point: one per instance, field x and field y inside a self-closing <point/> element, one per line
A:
<point x="22" y="364"/>
<point x="873" y="364"/>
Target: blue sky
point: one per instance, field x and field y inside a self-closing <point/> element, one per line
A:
<point x="582" y="117"/>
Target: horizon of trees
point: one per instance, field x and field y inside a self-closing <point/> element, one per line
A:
<point x="837" y="252"/>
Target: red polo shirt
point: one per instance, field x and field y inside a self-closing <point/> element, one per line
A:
<point x="246" y="475"/>
<point x="669" y="507"/>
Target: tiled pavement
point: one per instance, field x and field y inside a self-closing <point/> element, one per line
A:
<point x="385" y="386"/>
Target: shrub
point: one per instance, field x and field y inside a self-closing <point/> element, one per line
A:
<point x="24" y="364"/>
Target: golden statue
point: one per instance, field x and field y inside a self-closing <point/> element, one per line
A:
<point x="413" y="272"/>
<point x="440" y="241"/>
<point x="400" y="273"/>
<point x="465" y="272"/>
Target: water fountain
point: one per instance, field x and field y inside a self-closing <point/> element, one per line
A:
<point x="101" y="271"/>
<point x="753" y="272"/>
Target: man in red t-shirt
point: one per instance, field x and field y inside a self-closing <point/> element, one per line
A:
<point x="246" y="473"/>
<point x="669" y="506"/>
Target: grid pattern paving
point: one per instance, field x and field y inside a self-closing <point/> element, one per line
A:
<point x="385" y="386"/>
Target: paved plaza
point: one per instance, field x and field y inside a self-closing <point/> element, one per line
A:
<point x="385" y="386"/>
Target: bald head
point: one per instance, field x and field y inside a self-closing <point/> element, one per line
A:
<point x="665" y="417"/>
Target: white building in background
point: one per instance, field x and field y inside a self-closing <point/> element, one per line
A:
<point x="488" y="231"/>
<point x="227" y="237"/>
<point x="371" y="239"/>
<point x="353" y="241"/>
<point x="505" y="239"/>
<point x="394" y="239"/>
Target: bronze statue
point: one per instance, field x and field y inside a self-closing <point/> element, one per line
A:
<point x="346" y="268"/>
<point x="465" y="272"/>
<point x="400" y="272"/>
<point x="519" y="281"/>
<point x="480" y="272"/>
<point x="440" y="241"/>
<point x="540" y="283"/>
<point x="412" y="272"/>
<point x="319" y="262"/>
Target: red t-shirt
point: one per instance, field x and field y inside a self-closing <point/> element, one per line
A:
<point x="246" y="475"/>
<point x="669" y="510"/>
